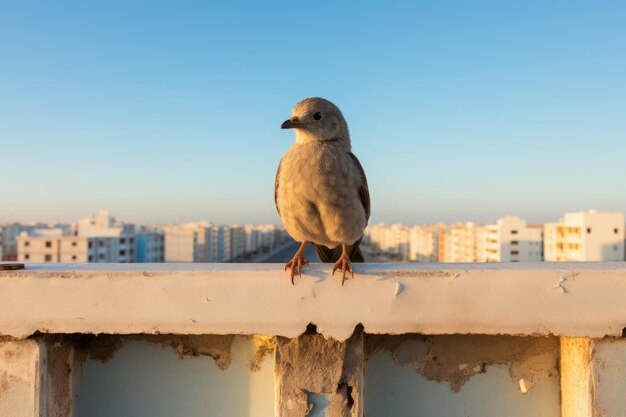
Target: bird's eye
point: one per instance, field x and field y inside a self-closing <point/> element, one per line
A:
<point x="317" y="115"/>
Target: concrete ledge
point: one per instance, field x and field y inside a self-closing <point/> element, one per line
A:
<point x="565" y="299"/>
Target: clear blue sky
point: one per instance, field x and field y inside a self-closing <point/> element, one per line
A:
<point x="167" y="112"/>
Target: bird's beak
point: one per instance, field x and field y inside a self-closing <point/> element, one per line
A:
<point x="290" y="124"/>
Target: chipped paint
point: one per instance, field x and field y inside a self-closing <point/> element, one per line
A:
<point x="197" y="299"/>
<point x="456" y="358"/>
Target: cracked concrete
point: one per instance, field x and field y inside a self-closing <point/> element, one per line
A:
<point x="311" y="364"/>
<point x="456" y="358"/>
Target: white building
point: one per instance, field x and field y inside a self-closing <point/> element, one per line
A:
<point x="460" y="243"/>
<point x="186" y="242"/>
<point x="197" y="242"/>
<point x="260" y="238"/>
<point x="219" y="246"/>
<point x="102" y="225"/>
<point x="511" y="239"/>
<point x="10" y="232"/>
<point x="423" y="242"/>
<point x="97" y="238"/>
<point x="585" y="236"/>
<point x="68" y="249"/>
<point x="237" y="242"/>
<point x="390" y="239"/>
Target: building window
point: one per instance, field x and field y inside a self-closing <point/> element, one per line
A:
<point x="513" y="232"/>
<point x="588" y="230"/>
<point x="27" y="256"/>
<point x="131" y="240"/>
<point x="122" y="240"/>
<point x="122" y="253"/>
<point x="27" y="243"/>
<point x="90" y="258"/>
<point x="74" y="243"/>
<point x="101" y="256"/>
<point x="514" y="242"/>
<point x="90" y="244"/>
<point x="48" y="244"/>
<point x="514" y="252"/>
<point x="73" y="257"/>
<point x="616" y="230"/>
<point x="101" y="243"/>
<point x="48" y="258"/>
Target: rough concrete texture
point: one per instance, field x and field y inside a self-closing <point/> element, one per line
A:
<point x="608" y="377"/>
<point x="456" y="358"/>
<point x="311" y="366"/>
<point x="104" y="347"/>
<point x="188" y="299"/>
<point x="19" y="378"/>
<point x="56" y="377"/>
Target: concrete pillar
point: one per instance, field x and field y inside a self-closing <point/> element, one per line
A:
<point x="319" y="377"/>
<point x="593" y="377"/>
<point x="19" y="378"/>
<point x="35" y="378"/>
<point x="56" y="377"/>
<point x="576" y="377"/>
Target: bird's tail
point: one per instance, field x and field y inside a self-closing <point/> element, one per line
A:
<point x="332" y="255"/>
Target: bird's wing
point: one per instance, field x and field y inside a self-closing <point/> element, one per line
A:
<point x="364" y="192"/>
<point x="276" y="187"/>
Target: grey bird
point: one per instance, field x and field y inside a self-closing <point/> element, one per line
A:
<point x="320" y="190"/>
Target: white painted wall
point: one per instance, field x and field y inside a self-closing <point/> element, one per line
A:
<point x="148" y="380"/>
<point x="401" y="390"/>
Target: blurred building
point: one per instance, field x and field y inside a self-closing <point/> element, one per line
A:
<point x="392" y="240"/>
<point x="237" y="242"/>
<point x="68" y="249"/>
<point x="9" y="234"/>
<point x="219" y="248"/>
<point x="102" y="224"/>
<point x="198" y="242"/>
<point x="149" y="245"/>
<point x="585" y="236"/>
<point x="424" y="242"/>
<point x="511" y="239"/>
<point x="460" y="242"/>
<point x="186" y="242"/>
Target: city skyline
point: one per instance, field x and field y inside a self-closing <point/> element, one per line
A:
<point x="170" y="114"/>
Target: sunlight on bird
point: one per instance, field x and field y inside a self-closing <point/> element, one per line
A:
<point x="320" y="189"/>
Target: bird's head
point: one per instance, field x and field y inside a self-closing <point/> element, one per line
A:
<point x="316" y="119"/>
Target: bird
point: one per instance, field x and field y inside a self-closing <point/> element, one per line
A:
<point x="321" y="190"/>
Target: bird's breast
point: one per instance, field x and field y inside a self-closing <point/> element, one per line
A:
<point x="317" y="195"/>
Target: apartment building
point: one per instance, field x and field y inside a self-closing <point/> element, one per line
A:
<point x="391" y="239"/>
<point x="149" y="245"/>
<point x="585" y="236"/>
<point x="511" y="239"/>
<point x="237" y="242"/>
<point x="460" y="243"/>
<point x="10" y="232"/>
<point x="198" y="242"/>
<point x="68" y="249"/>
<point x="186" y="242"/>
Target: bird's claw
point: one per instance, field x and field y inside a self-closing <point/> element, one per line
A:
<point x="346" y="265"/>
<point x="296" y="263"/>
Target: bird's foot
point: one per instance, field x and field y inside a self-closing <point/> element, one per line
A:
<point x="345" y="264"/>
<point x="296" y="263"/>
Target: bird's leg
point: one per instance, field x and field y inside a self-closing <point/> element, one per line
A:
<point x="297" y="261"/>
<point x="344" y="263"/>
